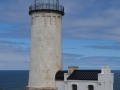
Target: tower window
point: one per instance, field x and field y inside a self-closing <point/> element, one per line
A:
<point x="74" y="87"/>
<point x="90" y="87"/>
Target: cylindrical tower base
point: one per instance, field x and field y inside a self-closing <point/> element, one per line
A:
<point x="46" y="49"/>
<point x="41" y="88"/>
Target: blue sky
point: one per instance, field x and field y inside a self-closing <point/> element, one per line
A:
<point x="91" y="34"/>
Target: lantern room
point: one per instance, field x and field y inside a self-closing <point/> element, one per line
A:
<point x="47" y="5"/>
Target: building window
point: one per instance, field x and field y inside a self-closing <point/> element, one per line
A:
<point x="74" y="87"/>
<point x="90" y="87"/>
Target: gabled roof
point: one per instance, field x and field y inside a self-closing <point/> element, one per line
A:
<point x="60" y="75"/>
<point x="84" y="75"/>
<point x="79" y="75"/>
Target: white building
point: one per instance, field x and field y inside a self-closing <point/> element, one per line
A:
<point x="75" y="79"/>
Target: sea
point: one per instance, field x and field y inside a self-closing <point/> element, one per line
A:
<point x="18" y="80"/>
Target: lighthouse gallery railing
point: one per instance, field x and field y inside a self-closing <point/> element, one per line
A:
<point x="46" y="6"/>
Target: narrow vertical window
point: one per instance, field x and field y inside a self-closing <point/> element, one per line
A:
<point x="43" y="19"/>
<point x="74" y="87"/>
<point x="54" y="19"/>
<point x="59" y="20"/>
<point x="90" y="87"/>
<point x="37" y="20"/>
<point x="49" y="19"/>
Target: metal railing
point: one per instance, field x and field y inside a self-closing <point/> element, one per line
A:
<point x="46" y="6"/>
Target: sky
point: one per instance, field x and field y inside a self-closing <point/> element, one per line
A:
<point x="91" y="34"/>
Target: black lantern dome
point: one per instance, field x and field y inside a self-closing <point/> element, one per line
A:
<point x="47" y="5"/>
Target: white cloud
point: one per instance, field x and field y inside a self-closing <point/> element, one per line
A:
<point x="16" y="12"/>
<point x="94" y="62"/>
<point x="114" y="47"/>
<point x="68" y="56"/>
<point x="101" y="25"/>
<point x="16" y="55"/>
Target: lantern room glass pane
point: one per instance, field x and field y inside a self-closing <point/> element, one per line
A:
<point x="47" y="1"/>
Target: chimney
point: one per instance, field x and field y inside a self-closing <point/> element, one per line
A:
<point x="71" y="69"/>
<point x="106" y="70"/>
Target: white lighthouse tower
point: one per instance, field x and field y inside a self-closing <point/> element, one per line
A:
<point x="46" y="44"/>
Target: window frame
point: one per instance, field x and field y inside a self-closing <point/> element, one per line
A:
<point x="90" y="87"/>
<point x="74" y="87"/>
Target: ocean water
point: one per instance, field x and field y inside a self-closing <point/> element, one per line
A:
<point x="18" y="80"/>
<point x="13" y="80"/>
<point x="116" y="80"/>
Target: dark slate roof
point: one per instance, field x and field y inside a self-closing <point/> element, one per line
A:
<point x="84" y="75"/>
<point x="60" y="75"/>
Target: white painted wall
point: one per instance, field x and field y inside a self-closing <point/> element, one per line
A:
<point x="46" y="48"/>
<point x="60" y="85"/>
<point x="106" y="78"/>
<point x="82" y="85"/>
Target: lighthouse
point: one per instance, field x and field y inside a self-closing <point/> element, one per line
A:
<point x="46" y="44"/>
